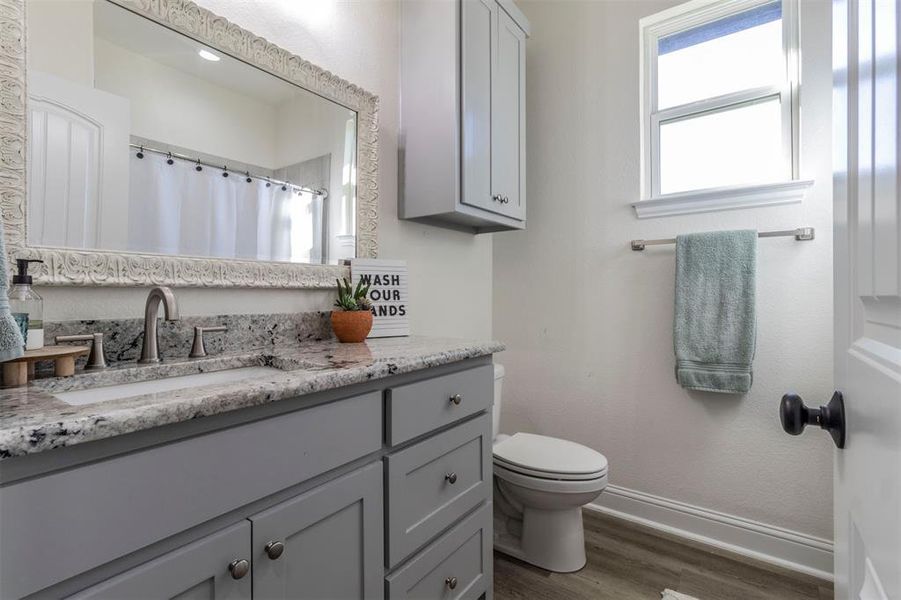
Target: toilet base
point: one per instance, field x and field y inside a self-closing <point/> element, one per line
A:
<point x="550" y="539"/>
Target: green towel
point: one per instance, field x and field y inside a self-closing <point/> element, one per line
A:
<point x="11" y="343"/>
<point x="715" y="325"/>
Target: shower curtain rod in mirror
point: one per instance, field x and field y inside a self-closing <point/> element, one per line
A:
<point x="224" y="168"/>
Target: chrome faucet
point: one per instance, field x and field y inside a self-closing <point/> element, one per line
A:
<point x="150" y="352"/>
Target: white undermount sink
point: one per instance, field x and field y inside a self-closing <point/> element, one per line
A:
<point x="166" y="384"/>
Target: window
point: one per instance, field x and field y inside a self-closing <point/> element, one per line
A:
<point x="719" y="107"/>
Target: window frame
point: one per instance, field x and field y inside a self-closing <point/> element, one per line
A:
<point x="686" y="16"/>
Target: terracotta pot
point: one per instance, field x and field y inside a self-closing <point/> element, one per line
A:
<point x="351" y="326"/>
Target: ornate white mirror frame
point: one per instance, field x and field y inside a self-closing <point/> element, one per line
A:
<point x="101" y="268"/>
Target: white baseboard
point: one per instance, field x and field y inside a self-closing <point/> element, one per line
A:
<point x="785" y="548"/>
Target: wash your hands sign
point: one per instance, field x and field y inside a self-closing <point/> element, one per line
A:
<point x="387" y="280"/>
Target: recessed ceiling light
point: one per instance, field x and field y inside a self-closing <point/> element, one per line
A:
<point x="207" y="55"/>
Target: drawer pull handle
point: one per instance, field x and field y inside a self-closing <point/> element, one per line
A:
<point x="274" y="549"/>
<point x="457" y="399"/>
<point x="239" y="568"/>
<point x="451" y="478"/>
<point x="451" y="583"/>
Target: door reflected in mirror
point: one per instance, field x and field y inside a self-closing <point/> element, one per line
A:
<point x="143" y="140"/>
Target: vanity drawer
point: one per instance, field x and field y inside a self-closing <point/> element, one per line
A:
<point x="420" y="407"/>
<point x="461" y="557"/>
<point x="75" y="520"/>
<point x="435" y="482"/>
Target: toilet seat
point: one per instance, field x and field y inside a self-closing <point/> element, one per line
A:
<point x="553" y="486"/>
<point x="549" y="458"/>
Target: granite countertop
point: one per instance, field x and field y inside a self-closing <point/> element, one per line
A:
<point x="32" y="420"/>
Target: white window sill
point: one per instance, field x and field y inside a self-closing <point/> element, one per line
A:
<point x="683" y="203"/>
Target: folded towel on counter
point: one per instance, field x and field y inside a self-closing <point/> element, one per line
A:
<point x="11" y="343"/>
<point x="715" y="325"/>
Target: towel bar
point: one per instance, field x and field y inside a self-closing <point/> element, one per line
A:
<point x="802" y="234"/>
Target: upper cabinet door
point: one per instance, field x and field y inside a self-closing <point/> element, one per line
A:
<point x="508" y="118"/>
<point x="213" y="568"/>
<point x="326" y="543"/>
<point x="479" y="23"/>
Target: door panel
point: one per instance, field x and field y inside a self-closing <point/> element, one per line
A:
<point x="333" y="542"/>
<point x="77" y="164"/>
<point x="198" y="570"/>
<point x="479" y="21"/>
<point x="508" y="110"/>
<point x="867" y="298"/>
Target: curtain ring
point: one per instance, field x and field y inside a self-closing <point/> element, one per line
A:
<point x="225" y="171"/>
<point x="140" y="153"/>
<point x="198" y="167"/>
<point x="249" y="179"/>
<point x="169" y="160"/>
<point x="268" y="183"/>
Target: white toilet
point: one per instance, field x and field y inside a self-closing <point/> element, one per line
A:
<point x="540" y="486"/>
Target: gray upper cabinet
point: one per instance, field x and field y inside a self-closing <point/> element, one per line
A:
<point x="327" y="543"/>
<point x="216" y="567"/>
<point x="462" y="142"/>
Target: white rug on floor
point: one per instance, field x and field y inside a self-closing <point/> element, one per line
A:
<point x="671" y="595"/>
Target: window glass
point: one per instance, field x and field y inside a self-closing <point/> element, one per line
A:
<point x="736" y="146"/>
<point x="739" y="52"/>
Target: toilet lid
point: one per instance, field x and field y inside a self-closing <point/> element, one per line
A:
<point x="551" y="456"/>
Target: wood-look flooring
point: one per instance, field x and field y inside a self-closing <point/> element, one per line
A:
<point x="627" y="561"/>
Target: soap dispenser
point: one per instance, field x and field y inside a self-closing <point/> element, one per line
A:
<point x="23" y="299"/>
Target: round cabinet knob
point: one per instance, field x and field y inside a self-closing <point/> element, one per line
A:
<point x="239" y="568"/>
<point x="274" y="549"/>
<point x="496" y="198"/>
<point x="451" y="478"/>
<point x="457" y="399"/>
<point x="451" y="583"/>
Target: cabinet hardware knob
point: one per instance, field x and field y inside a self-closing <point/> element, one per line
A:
<point x="451" y="583"/>
<point x="274" y="549"/>
<point x="239" y="568"/>
<point x="457" y="399"/>
<point x="506" y="199"/>
<point x="451" y="478"/>
<point x="496" y="197"/>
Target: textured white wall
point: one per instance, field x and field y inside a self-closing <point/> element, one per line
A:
<point x="588" y="322"/>
<point x="450" y="272"/>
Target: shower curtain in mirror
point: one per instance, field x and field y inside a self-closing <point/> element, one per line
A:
<point x="175" y="209"/>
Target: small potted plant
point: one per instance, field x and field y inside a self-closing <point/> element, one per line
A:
<point x="353" y="321"/>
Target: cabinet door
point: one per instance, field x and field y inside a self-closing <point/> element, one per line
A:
<point x="479" y="23"/>
<point x="332" y="539"/>
<point x="508" y="118"/>
<point x="198" y="570"/>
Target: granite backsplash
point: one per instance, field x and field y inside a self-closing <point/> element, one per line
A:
<point x="123" y="338"/>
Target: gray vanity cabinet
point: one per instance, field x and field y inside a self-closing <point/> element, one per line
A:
<point x="378" y="490"/>
<point x="327" y="543"/>
<point x="208" y="569"/>
<point x="463" y="114"/>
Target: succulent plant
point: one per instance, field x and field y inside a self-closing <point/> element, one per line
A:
<point x="350" y="298"/>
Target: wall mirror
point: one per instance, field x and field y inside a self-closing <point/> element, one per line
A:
<point x="163" y="144"/>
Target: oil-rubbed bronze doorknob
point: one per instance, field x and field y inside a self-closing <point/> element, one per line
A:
<point x="274" y="549"/>
<point x="457" y="399"/>
<point x="795" y="416"/>
<point x="239" y="568"/>
<point x="451" y="478"/>
<point x="451" y="583"/>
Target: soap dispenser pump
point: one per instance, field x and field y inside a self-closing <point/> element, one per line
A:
<point x="23" y="299"/>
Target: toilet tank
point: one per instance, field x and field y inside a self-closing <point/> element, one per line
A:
<point x="496" y="409"/>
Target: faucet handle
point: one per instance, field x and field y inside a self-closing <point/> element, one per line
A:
<point x="197" y="348"/>
<point x="96" y="359"/>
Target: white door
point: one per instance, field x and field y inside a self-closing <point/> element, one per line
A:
<point x="77" y="165"/>
<point x="867" y="298"/>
